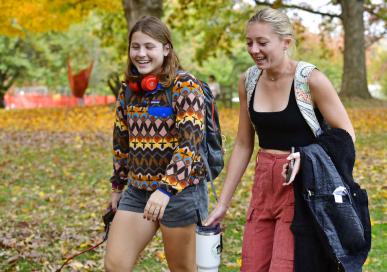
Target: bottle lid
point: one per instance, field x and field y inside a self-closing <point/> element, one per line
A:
<point x="208" y="230"/>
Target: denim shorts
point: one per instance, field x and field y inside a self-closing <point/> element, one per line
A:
<point x="181" y="210"/>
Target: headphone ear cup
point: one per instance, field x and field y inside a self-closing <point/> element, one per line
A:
<point x="133" y="85"/>
<point x="149" y="83"/>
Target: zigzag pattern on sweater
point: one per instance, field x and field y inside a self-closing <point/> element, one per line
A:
<point x="162" y="148"/>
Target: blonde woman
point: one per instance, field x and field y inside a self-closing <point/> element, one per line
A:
<point x="272" y="113"/>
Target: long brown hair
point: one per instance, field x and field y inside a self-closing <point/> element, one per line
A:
<point x="155" y="28"/>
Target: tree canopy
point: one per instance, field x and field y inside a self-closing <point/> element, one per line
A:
<point x="36" y="16"/>
<point x="44" y="34"/>
<point x="221" y="23"/>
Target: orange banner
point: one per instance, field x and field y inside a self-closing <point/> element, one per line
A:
<point x="52" y="101"/>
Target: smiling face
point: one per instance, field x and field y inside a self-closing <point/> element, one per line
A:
<point x="265" y="47"/>
<point x="146" y="53"/>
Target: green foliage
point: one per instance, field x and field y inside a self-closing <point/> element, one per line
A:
<point x="215" y="31"/>
<point x="217" y="43"/>
<point x="209" y="44"/>
<point x="81" y="46"/>
<point x="225" y="67"/>
<point x="378" y="66"/>
<point x="331" y="65"/>
<point x="113" y="35"/>
<point x="44" y="61"/>
<point x="14" y="61"/>
<point x="210" y="34"/>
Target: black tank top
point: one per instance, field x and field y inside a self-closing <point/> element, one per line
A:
<point x="282" y="129"/>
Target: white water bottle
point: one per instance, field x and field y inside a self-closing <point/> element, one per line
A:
<point x="208" y="248"/>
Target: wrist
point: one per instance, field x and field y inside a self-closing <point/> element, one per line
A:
<point x="117" y="191"/>
<point x="165" y="192"/>
<point x="118" y="185"/>
<point x="167" y="188"/>
<point x="224" y="203"/>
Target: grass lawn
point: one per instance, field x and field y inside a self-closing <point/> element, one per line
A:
<point x="54" y="171"/>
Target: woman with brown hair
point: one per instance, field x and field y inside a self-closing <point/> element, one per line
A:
<point x="156" y="152"/>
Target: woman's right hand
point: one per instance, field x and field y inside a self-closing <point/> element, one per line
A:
<point x="216" y="215"/>
<point x="115" y="197"/>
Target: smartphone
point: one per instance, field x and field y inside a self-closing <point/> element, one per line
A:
<point x="108" y="216"/>
<point x="289" y="170"/>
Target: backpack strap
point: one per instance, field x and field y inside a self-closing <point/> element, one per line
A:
<point x="208" y="169"/>
<point x="169" y="93"/>
<point x="169" y="90"/>
<point x="251" y="77"/>
<point x="301" y="90"/>
<point x="127" y="91"/>
<point x="303" y="96"/>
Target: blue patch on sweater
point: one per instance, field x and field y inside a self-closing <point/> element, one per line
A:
<point x="160" y="111"/>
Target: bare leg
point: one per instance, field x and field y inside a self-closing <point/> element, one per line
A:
<point x="128" y="236"/>
<point x="179" y="246"/>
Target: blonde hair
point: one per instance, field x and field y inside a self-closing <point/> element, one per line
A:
<point x="278" y="20"/>
<point x="155" y="28"/>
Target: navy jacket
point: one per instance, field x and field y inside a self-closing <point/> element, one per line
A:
<point x="333" y="233"/>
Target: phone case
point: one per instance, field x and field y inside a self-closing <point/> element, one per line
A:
<point x="108" y="216"/>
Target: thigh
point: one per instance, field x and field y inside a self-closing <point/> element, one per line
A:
<point x="283" y="245"/>
<point x="179" y="246"/>
<point x="262" y="187"/>
<point x="128" y="236"/>
<point x="257" y="241"/>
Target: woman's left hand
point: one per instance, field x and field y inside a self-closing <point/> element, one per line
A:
<point x="155" y="207"/>
<point x="296" y="167"/>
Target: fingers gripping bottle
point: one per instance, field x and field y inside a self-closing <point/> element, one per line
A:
<point x="208" y="248"/>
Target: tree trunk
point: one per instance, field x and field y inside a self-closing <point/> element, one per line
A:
<point x="354" y="80"/>
<point x="134" y="9"/>
<point x="2" y="101"/>
<point x="6" y="81"/>
<point x="2" y="94"/>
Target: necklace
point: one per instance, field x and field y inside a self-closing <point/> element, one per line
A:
<point x="285" y="72"/>
<point x="271" y="78"/>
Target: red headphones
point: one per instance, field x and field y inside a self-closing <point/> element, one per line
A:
<point x="148" y="83"/>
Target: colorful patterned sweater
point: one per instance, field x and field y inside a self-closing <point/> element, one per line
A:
<point x="156" y="144"/>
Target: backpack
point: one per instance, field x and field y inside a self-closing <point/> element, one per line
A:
<point x="301" y="89"/>
<point x="210" y="150"/>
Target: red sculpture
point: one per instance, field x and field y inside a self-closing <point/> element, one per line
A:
<point x="79" y="82"/>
